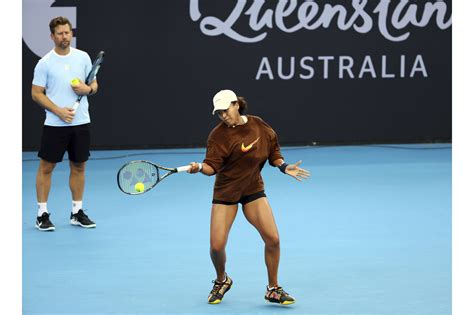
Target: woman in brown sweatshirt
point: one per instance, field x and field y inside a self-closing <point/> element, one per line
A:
<point x="237" y="149"/>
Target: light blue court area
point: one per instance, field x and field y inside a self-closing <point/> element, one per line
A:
<point x="368" y="233"/>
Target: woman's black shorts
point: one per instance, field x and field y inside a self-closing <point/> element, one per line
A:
<point x="243" y="200"/>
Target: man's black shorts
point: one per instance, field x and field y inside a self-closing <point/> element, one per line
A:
<point x="75" y="140"/>
<point x="243" y="200"/>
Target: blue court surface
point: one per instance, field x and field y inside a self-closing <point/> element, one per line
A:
<point x="368" y="233"/>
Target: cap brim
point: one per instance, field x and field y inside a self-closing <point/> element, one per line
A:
<point x="220" y="108"/>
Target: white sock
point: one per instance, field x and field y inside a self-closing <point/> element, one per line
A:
<point x="76" y="206"/>
<point x="42" y="208"/>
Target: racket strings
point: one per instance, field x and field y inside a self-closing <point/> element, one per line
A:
<point x="138" y="173"/>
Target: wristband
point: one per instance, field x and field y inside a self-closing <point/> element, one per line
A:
<point x="283" y="167"/>
<point x="200" y="167"/>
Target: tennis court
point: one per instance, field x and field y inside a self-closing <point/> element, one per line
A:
<point x="368" y="233"/>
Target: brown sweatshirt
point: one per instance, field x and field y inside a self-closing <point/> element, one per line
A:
<point x="238" y="154"/>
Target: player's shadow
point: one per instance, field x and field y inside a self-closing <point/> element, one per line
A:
<point x="274" y="306"/>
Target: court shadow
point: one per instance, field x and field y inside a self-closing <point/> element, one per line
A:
<point x="275" y="307"/>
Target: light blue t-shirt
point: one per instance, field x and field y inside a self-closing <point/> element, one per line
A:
<point x="55" y="73"/>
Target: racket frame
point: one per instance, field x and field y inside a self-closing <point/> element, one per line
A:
<point x="92" y="74"/>
<point x="157" y="167"/>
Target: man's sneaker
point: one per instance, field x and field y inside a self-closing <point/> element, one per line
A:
<point x="80" y="218"/>
<point x="219" y="289"/>
<point x="278" y="295"/>
<point x="43" y="223"/>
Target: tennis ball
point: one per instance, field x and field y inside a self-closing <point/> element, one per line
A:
<point x="75" y="82"/>
<point x="139" y="187"/>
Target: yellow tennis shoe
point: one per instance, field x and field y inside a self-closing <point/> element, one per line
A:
<point x="219" y="289"/>
<point x="278" y="295"/>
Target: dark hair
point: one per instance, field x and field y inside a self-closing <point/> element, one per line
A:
<point x="60" y="20"/>
<point x="242" y="105"/>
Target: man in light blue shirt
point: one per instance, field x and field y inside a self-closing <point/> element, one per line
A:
<point x="58" y="80"/>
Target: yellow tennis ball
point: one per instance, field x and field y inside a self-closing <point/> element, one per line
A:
<point x="75" y="82"/>
<point x="139" y="187"/>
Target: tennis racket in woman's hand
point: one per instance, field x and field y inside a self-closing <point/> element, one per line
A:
<point x="138" y="177"/>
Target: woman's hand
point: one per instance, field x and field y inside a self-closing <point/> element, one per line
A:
<point x="195" y="167"/>
<point x="296" y="172"/>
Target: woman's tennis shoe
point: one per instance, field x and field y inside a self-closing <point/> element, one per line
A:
<point x="43" y="223"/>
<point x="219" y="289"/>
<point x="81" y="219"/>
<point x="278" y="295"/>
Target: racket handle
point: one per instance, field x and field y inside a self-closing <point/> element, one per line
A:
<point x="183" y="168"/>
<point x="76" y="105"/>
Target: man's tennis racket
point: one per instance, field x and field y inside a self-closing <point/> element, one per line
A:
<point x="138" y="177"/>
<point x="90" y="77"/>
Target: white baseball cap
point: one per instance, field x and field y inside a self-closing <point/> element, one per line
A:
<point x="223" y="99"/>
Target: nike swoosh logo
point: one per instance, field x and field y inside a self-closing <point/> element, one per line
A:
<point x="247" y="148"/>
